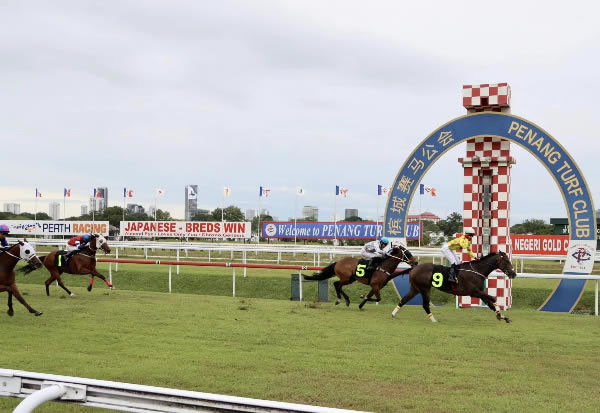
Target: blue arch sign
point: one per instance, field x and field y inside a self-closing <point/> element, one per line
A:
<point x="564" y="170"/>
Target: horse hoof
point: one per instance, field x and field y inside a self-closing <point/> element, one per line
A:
<point x="89" y="288"/>
<point x="10" y="312"/>
<point x="72" y="295"/>
<point x="347" y="303"/>
<point x="508" y="320"/>
<point x="38" y="313"/>
<point x="337" y="302"/>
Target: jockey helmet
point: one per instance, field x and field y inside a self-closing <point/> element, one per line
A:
<point x="384" y="240"/>
<point x="469" y="231"/>
<point x="4" y="229"/>
<point x="86" y="238"/>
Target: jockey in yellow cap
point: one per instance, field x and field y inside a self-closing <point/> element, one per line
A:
<point x="451" y="249"/>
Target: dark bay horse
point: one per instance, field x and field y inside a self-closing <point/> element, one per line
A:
<point x="471" y="277"/>
<point x="83" y="262"/>
<point x="8" y="259"/>
<point x="348" y="271"/>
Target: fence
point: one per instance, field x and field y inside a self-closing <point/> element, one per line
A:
<point x="38" y="388"/>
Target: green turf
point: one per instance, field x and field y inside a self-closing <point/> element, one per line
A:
<point x="308" y="352"/>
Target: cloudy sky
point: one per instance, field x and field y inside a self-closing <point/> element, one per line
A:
<point x="160" y="94"/>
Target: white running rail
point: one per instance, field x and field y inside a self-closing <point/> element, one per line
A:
<point x="38" y="388"/>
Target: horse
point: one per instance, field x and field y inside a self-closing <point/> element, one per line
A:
<point x="471" y="276"/>
<point x="8" y="259"/>
<point x="349" y="270"/>
<point x="83" y="262"/>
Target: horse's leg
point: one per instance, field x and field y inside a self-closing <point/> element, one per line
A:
<point x="59" y="281"/>
<point x="336" y="284"/>
<point x="426" y="294"/>
<point x="102" y="277"/>
<point x="91" y="283"/>
<point x="405" y="299"/>
<point x="17" y="294"/>
<point x="7" y="288"/>
<point x="491" y="303"/>
<point x="374" y="290"/>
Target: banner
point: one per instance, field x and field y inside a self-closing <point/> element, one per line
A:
<point x="190" y="229"/>
<point x="30" y="227"/>
<point x="539" y="244"/>
<point x="331" y="230"/>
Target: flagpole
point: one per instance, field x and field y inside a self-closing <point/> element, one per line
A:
<point x="335" y="220"/>
<point x="155" y="207"/>
<point x="420" y="235"/>
<point x="295" y="215"/>
<point x="377" y="216"/>
<point x="64" y="204"/>
<point x="258" y="228"/>
<point x="35" y="211"/>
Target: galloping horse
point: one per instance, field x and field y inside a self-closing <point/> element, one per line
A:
<point x="348" y="270"/>
<point x="83" y="262"/>
<point x="8" y="259"/>
<point x="471" y="276"/>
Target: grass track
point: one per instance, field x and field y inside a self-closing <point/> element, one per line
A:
<point x="308" y="352"/>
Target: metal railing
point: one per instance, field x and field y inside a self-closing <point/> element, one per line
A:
<point x="38" y="388"/>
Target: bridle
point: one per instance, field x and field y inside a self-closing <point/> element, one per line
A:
<point x="491" y="266"/>
<point x="404" y="258"/>
<point x="18" y="258"/>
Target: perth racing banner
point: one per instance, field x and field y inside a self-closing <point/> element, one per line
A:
<point x="31" y="227"/>
<point x="190" y="229"/>
<point x="331" y="230"/>
<point x="540" y="244"/>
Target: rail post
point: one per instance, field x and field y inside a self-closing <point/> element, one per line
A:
<point x="178" y="260"/>
<point x="244" y="261"/>
<point x="110" y="271"/>
<point x="596" y="299"/>
<point x="300" y="284"/>
<point x="234" y="281"/>
<point x="169" y="278"/>
<point x="117" y="257"/>
<point x="39" y="397"/>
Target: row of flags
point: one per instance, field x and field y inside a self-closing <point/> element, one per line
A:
<point x="262" y="192"/>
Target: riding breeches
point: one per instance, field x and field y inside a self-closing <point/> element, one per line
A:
<point x="72" y="247"/>
<point x="451" y="256"/>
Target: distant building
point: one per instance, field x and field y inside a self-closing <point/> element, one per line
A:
<point x="84" y="210"/>
<point x="152" y="211"/>
<point x="54" y="210"/>
<point x="190" y="201"/>
<point x="264" y="212"/>
<point x="311" y="212"/>
<point x="425" y="216"/>
<point x="99" y="202"/>
<point x="350" y="212"/>
<point x="135" y="209"/>
<point x="12" y="207"/>
<point x="250" y="214"/>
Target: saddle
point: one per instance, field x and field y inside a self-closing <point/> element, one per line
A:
<point x="440" y="275"/>
<point x="363" y="271"/>
<point x="62" y="263"/>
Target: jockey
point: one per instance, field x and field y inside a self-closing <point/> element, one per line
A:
<point x="451" y="248"/>
<point x="375" y="251"/>
<point x="4" y="230"/>
<point x="77" y="243"/>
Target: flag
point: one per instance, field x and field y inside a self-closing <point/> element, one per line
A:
<point x="424" y="189"/>
<point x="127" y="193"/>
<point x="38" y="194"/>
<point x="191" y="193"/>
<point x="382" y="190"/>
<point x="160" y="192"/>
<point x="299" y="190"/>
<point x="67" y="193"/>
<point x="226" y="191"/>
<point x="97" y="193"/>
<point x="264" y="192"/>
<point x="341" y="191"/>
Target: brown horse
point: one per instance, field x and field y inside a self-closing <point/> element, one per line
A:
<point x="348" y="270"/>
<point x="8" y="259"/>
<point x="83" y="262"/>
<point x="471" y="276"/>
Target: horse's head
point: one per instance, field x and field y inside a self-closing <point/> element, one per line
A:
<point x="27" y="253"/>
<point x="404" y="255"/>
<point x="504" y="264"/>
<point x="101" y="243"/>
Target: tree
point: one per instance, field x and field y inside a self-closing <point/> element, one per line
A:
<point x="353" y="218"/>
<point x="263" y="218"/>
<point x="231" y="214"/>
<point x="532" y="226"/>
<point x="451" y="225"/>
<point x="204" y="217"/>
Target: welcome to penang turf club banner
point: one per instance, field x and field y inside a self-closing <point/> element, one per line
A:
<point x="331" y="230"/>
<point x="190" y="229"/>
<point x="540" y="244"/>
<point x="31" y="227"/>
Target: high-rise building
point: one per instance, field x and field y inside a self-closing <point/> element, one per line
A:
<point x="151" y="211"/>
<point x="12" y="207"/>
<point x="54" y="210"/>
<point x="310" y="212"/>
<point x="191" y="201"/>
<point x="84" y="210"/>
<point x="99" y="202"/>
<point x="350" y="212"/>
<point x="250" y="214"/>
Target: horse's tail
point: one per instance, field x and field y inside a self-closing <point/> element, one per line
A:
<point x="397" y="273"/>
<point x="325" y="273"/>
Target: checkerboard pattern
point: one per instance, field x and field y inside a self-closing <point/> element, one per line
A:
<point x="488" y="155"/>
<point x="488" y="96"/>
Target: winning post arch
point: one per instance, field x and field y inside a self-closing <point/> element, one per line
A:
<point x="549" y="152"/>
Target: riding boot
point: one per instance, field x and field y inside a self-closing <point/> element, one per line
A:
<point x="452" y="274"/>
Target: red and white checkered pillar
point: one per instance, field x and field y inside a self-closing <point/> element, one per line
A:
<point x="487" y="167"/>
